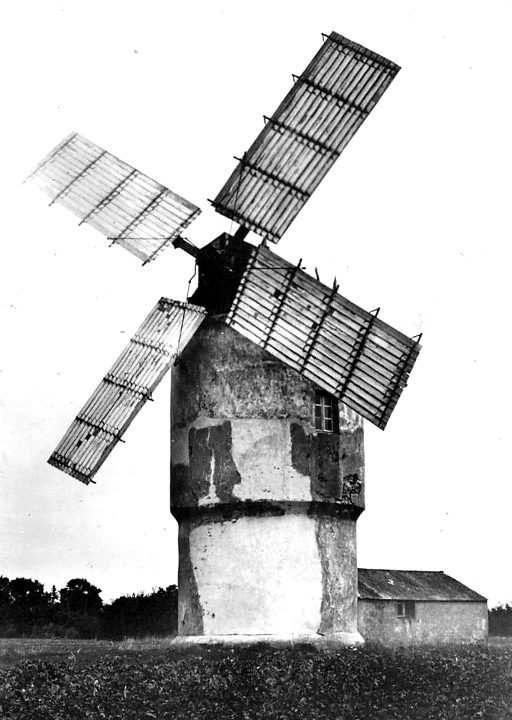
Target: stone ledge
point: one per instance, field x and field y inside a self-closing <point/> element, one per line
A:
<point x="342" y="639"/>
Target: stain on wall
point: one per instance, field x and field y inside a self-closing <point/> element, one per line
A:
<point x="211" y="461"/>
<point x="335" y="463"/>
<point x="182" y="492"/>
<point x="336" y="540"/>
<point x="326" y="481"/>
<point x="190" y="613"/>
<point x="210" y="471"/>
<point x="302" y="449"/>
<point x="352" y="464"/>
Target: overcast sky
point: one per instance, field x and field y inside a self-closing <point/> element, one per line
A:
<point x="413" y="218"/>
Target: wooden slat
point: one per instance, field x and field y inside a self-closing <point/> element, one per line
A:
<point x="323" y="110"/>
<point x="125" y="389"/>
<point x="113" y="197"/>
<point x="342" y="348"/>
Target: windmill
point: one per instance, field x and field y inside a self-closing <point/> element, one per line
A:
<point x="272" y="371"/>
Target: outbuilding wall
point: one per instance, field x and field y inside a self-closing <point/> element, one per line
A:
<point x="433" y="622"/>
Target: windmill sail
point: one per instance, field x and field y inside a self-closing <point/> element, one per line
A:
<point x="127" y="206"/>
<point x="126" y="388"/>
<point x="345" y="350"/>
<point x="304" y="137"/>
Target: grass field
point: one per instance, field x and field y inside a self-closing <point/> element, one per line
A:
<point x="77" y="652"/>
<point x="45" y="679"/>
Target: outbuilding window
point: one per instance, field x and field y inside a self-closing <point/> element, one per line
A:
<point x="405" y="609"/>
<point x="326" y="412"/>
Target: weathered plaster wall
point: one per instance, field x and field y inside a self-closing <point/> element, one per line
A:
<point x="336" y="539"/>
<point x="222" y="375"/>
<point x="267" y="506"/>
<point x="255" y="578"/>
<point x="434" y="622"/>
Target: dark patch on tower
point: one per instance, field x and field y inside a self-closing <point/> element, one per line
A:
<point x="336" y="547"/>
<point x="190" y="611"/>
<point x="318" y="457"/>
<point x="210" y="449"/>
<point x="352" y="464"/>
<point x="326" y="475"/>
<point x="301" y="449"/>
<point x="181" y="487"/>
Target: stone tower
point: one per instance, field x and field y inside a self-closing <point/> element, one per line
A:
<point x="267" y="483"/>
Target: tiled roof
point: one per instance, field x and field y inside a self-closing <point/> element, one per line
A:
<point x="420" y="585"/>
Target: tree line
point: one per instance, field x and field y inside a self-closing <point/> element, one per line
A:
<point x="77" y="611"/>
<point x="500" y="620"/>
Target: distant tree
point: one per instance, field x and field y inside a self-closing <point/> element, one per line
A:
<point x="500" y="620"/>
<point x="26" y="607"/>
<point x="81" y="596"/>
<point x="5" y="593"/>
<point x="26" y="610"/>
<point x="6" y="613"/>
<point x="27" y="593"/>
<point x="53" y="597"/>
<point x="140" y="615"/>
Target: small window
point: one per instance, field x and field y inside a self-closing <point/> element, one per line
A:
<point x="326" y="412"/>
<point x="405" y="610"/>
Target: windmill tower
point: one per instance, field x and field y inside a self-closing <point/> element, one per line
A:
<point x="272" y="371"/>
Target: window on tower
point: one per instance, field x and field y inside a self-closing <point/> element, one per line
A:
<point x="326" y="412"/>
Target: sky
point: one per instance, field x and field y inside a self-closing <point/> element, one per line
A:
<point x="413" y="218"/>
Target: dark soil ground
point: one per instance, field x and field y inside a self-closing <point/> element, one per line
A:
<point x="151" y="679"/>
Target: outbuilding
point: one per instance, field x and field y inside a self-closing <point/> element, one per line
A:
<point x="416" y="606"/>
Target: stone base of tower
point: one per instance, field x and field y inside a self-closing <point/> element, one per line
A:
<point x="273" y="570"/>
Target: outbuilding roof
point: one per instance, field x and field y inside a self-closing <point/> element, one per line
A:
<point x="419" y="585"/>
